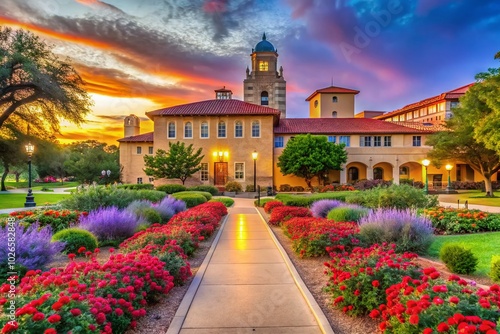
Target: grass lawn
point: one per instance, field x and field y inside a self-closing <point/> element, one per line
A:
<point x="483" y="245"/>
<point x="473" y="197"/>
<point x="8" y="201"/>
<point x="39" y="186"/>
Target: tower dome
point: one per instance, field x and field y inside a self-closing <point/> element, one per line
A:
<point x="264" y="45"/>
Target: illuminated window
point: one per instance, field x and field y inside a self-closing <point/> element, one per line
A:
<point x="204" y="130"/>
<point x="255" y="129"/>
<point x="239" y="171"/>
<point x="238" y="129"/>
<point x="264" y="98"/>
<point x="188" y="130"/>
<point x="263" y="65"/>
<point x="204" y="171"/>
<point x="171" y="130"/>
<point x="221" y="130"/>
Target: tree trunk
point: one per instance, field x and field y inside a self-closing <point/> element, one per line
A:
<point x="308" y="182"/>
<point x="488" y="187"/>
<point x="17" y="174"/>
<point x="4" y="176"/>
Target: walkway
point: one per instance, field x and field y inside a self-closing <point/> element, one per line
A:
<point x="246" y="285"/>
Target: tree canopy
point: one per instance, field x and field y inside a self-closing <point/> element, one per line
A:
<point x="36" y="87"/>
<point x="307" y="156"/>
<point x="180" y="162"/>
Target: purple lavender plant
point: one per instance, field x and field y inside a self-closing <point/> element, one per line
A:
<point x="33" y="246"/>
<point x="169" y="206"/>
<point x="405" y="228"/>
<point x="321" y="208"/>
<point x="111" y="223"/>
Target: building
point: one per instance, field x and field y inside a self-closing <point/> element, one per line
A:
<point x="387" y="146"/>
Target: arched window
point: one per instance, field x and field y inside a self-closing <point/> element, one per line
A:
<point x="404" y="170"/>
<point x="188" y="130"/>
<point x="264" y="98"/>
<point x="378" y="173"/>
<point x="204" y="130"/>
<point x="221" y="129"/>
<point x="334" y="114"/>
<point x="255" y="129"/>
<point x="315" y="103"/>
<point x="335" y="99"/>
<point x="171" y="130"/>
<point x="353" y="173"/>
<point x="238" y="129"/>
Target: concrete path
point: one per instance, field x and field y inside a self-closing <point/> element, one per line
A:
<point x="247" y="284"/>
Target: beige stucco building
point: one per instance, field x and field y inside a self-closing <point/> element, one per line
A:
<point x="388" y="146"/>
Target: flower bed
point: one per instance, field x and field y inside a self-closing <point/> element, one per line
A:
<point x="281" y="214"/>
<point x="56" y="219"/>
<point x="455" y="221"/>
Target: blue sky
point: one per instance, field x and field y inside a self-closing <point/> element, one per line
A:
<point x="141" y="55"/>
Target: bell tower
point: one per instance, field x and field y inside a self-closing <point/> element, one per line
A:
<point x="264" y="84"/>
<point x="132" y="126"/>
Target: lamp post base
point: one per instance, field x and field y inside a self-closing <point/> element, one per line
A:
<point x="30" y="200"/>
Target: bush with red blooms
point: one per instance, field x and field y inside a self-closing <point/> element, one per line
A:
<point x="312" y="236"/>
<point x="430" y="304"/>
<point x="269" y="206"/>
<point x="56" y="219"/>
<point x="358" y="279"/>
<point x="330" y="187"/>
<point x="281" y="214"/>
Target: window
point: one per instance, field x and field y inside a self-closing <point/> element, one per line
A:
<point x="263" y="65"/>
<point x="335" y="99"/>
<point x="264" y="99"/>
<point x="417" y="140"/>
<point x="139" y="150"/>
<point x="221" y="129"/>
<point x="204" y="172"/>
<point x="387" y="141"/>
<point x="279" y="142"/>
<point x="332" y="139"/>
<point x="151" y="179"/>
<point x="255" y="129"/>
<point x="378" y="173"/>
<point x="238" y="129"/>
<point x="139" y="180"/>
<point x="204" y="130"/>
<point x="239" y="171"/>
<point x="453" y="104"/>
<point x="188" y="130"/>
<point x="365" y="141"/>
<point x="171" y="130"/>
<point x="346" y="140"/>
<point x="353" y="173"/>
<point x="377" y="141"/>
<point x="404" y="170"/>
<point x="334" y="114"/>
<point x="315" y="103"/>
<point x="150" y="150"/>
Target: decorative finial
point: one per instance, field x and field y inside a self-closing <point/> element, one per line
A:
<point x="264" y="36"/>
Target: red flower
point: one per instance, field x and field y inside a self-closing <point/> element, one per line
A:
<point x="376" y="283"/>
<point x="454" y="299"/>
<point x="374" y="314"/>
<point x="443" y="327"/>
<point x="39" y="316"/>
<point x="428" y="331"/>
<point x="76" y="312"/>
<point x="50" y="331"/>
<point x="57" y="306"/>
<point x="10" y="327"/>
<point x="54" y="318"/>
<point x="119" y="312"/>
<point x="71" y="256"/>
<point x="81" y="250"/>
<point x="414" y="319"/>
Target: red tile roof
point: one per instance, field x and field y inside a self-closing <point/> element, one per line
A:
<point x="144" y="138"/>
<point x="421" y="126"/>
<point x="333" y="90"/>
<point x="214" y="108"/>
<point x="450" y="95"/>
<point x="342" y="126"/>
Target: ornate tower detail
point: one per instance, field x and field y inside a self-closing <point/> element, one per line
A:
<point x="264" y="84"/>
<point x="132" y="126"/>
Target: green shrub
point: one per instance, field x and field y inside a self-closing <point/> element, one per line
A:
<point x="150" y="215"/>
<point x="395" y="196"/>
<point x="347" y="214"/>
<point x="458" y="259"/>
<point x="263" y="201"/>
<point x="75" y="238"/>
<point x="495" y="269"/>
<point x="94" y="197"/>
<point x="205" y="194"/>
<point x="206" y="188"/>
<point x="307" y="200"/>
<point x="134" y="186"/>
<point x="224" y="200"/>
<point x="191" y="199"/>
<point x="171" y="188"/>
<point x="234" y="186"/>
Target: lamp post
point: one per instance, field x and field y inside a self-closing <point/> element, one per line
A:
<point x="105" y="173"/>
<point x="426" y="164"/>
<point x="30" y="199"/>
<point x="254" y="157"/>
<point x="449" y="168"/>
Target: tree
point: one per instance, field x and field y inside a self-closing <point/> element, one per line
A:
<point x="89" y="158"/>
<point x="35" y="85"/>
<point x="10" y="157"/>
<point x="180" y="162"/>
<point x="308" y="156"/>
<point x="50" y="158"/>
<point x="458" y="142"/>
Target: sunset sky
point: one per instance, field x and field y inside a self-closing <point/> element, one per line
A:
<point x="138" y="56"/>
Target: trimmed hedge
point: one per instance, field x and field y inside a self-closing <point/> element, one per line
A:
<point x="206" y="188"/>
<point x="171" y="188"/>
<point x="191" y="199"/>
<point x="205" y="194"/>
<point x="263" y="201"/>
<point x="308" y="200"/>
<point x="224" y="200"/>
<point x="133" y="186"/>
<point x="76" y="238"/>
<point x="347" y="214"/>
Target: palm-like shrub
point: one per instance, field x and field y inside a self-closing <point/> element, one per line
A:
<point x="410" y="232"/>
<point x="321" y="208"/>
